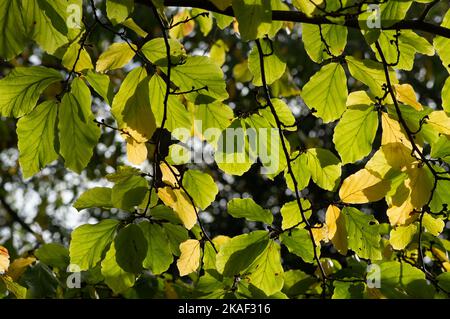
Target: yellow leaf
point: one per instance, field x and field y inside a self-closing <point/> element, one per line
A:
<point x="441" y="255"/>
<point x="405" y="94"/>
<point x="82" y="59"/>
<point x="180" y="203"/>
<point x="189" y="260"/>
<point x="168" y="176"/>
<point x="393" y="132"/>
<point x="390" y="156"/>
<point x="136" y="151"/>
<point x="320" y="233"/>
<point x="363" y="187"/>
<point x="115" y="57"/>
<point x="401" y="236"/>
<point x="220" y="240"/>
<point x="337" y="229"/>
<point x="359" y="98"/>
<point x="18" y="267"/>
<point x="439" y="121"/>
<point x="410" y="196"/>
<point x="4" y="259"/>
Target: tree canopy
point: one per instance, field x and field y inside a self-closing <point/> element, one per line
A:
<point x="224" y="149"/>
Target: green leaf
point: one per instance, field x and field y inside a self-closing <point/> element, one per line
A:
<point x="444" y="280"/>
<point x="441" y="44"/>
<point x="334" y="35"/>
<point x="298" y="242"/>
<point x="233" y="149"/>
<point x="53" y="255"/>
<point x="36" y="135"/>
<point x="94" y="197"/>
<point x="348" y="290"/>
<point x="16" y="289"/>
<point x="441" y="196"/>
<point x="76" y="58"/>
<point x="115" y="277"/>
<point x="159" y="257"/>
<point x="101" y="84"/>
<point x="441" y="148"/>
<point x="176" y="235"/>
<point x="78" y="134"/>
<point x="283" y="112"/>
<point x="290" y="212"/>
<point x="254" y="18"/>
<point x="222" y="20"/>
<point x="162" y="212"/>
<point x="264" y="142"/>
<point x="401" y="236"/>
<point x="370" y="73"/>
<point x="446" y="96"/>
<point x="45" y="23"/>
<point x="119" y="10"/>
<point x="409" y="43"/>
<point x="363" y="236"/>
<point x="212" y="116"/>
<point x="12" y="36"/>
<point x="325" y="168"/>
<point x="247" y="208"/>
<point x="177" y="115"/>
<point x="115" y="57"/>
<point x="393" y="11"/>
<point x="41" y="282"/>
<point x="201" y="74"/>
<point x="434" y="226"/>
<point x="267" y="272"/>
<point x="300" y="170"/>
<point x="274" y="64"/>
<point x="90" y="241"/>
<point x="355" y="132"/>
<point x="201" y="187"/>
<point x="21" y="89"/>
<point x="155" y="51"/>
<point x="129" y="192"/>
<point x="237" y="254"/>
<point x="123" y="173"/>
<point x="205" y="23"/>
<point x="326" y="92"/>
<point x="401" y="280"/>
<point x="131" y="248"/>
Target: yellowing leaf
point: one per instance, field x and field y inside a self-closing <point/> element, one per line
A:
<point x="78" y="55"/>
<point x="435" y="226"/>
<point x="363" y="187"/>
<point x="4" y="259"/>
<point x="220" y="240"/>
<point x="401" y="236"/>
<point x="440" y="121"/>
<point x="184" y="28"/>
<point x="393" y="132"/>
<point x="136" y="151"/>
<point x="180" y="203"/>
<point x="168" y="176"/>
<point x="337" y="229"/>
<point x="410" y="196"/>
<point x="18" y="267"/>
<point x="320" y="233"/>
<point x="189" y="260"/>
<point x="115" y="57"/>
<point x="406" y="94"/>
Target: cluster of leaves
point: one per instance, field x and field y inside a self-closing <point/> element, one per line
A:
<point x="161" y="249"/>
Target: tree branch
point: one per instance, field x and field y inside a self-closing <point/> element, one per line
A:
<point x="297" y="16"/>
